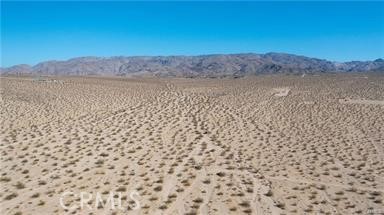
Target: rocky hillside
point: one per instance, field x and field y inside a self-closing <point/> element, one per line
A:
<point x="195" y="66"/>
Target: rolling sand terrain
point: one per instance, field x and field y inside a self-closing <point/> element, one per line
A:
<point x="257" y="145"/>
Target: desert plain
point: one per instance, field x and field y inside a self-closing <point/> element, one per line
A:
<point x="270" y="144"/>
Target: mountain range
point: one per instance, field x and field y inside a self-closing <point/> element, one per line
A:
<point x="218" y="65"/>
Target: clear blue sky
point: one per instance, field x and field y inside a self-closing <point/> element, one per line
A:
<point x="36" y="31"/>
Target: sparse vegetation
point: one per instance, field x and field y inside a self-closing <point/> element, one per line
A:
<point x="286" y="143"/>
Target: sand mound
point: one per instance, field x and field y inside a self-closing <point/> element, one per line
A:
<point x="281" y="92"/>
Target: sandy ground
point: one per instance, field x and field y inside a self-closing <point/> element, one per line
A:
<point x="260" y="145"/>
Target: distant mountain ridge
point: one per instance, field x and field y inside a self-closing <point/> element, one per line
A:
<point x="217" y="65"/>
